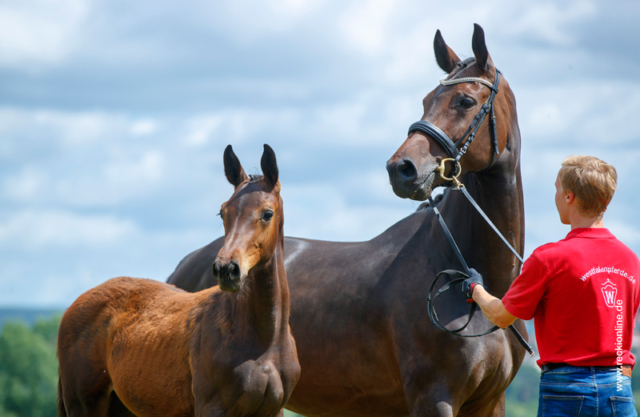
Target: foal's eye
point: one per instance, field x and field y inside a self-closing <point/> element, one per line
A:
<point x="467" y="102"/>
<point x="267" y="215"/>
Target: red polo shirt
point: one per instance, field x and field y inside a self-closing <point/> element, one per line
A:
<point x="583" y="294"/>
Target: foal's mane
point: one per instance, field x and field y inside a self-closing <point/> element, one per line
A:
<point x="254" y="178"/>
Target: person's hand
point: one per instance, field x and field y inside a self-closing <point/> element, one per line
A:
<point x="469" y="284"/>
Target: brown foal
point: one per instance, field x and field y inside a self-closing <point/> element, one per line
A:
<point x="140" y="347"/>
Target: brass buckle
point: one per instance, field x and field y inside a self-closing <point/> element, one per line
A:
<point x="443" y="166"/>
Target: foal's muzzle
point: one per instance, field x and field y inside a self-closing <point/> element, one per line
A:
<point x="228" y="275"/>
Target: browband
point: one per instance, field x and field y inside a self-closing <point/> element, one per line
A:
<point x="467" y="80"/>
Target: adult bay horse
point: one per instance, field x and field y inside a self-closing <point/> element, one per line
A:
<point x="359" y="310"/>
<point x="140" y="347"/>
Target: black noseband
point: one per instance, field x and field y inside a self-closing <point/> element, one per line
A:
<point x="437" y="134"/>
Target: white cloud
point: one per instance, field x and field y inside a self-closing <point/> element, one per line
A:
<point x="237" y="125"/>
<point x="144" y="127"/>
<point x="26" y="185"/>
<point x="366" y="25"/>
<point x="65" y="129"/>
<point x="38" y="229"/>
<point x="147" y="169"/>
<point x="545" y="20"/>
<point x="252" y="21"/>
<point x="201" y="128"/>
<point x="318" y="210"/>
<point x="584" y="112"/>
<point x="39" y="32"/>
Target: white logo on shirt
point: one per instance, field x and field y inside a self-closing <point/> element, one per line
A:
<point x="609" y="292"/>
<point x="608" y="270"/>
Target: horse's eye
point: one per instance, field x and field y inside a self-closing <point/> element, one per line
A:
<point x="267" y="215"/>
<point x="467" y="102"/>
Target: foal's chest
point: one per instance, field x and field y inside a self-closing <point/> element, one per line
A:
<point x="256" y="387"/>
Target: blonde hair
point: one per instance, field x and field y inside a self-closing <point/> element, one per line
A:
<point x="591" y="180"/>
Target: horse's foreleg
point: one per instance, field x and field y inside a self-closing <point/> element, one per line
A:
<point x="428" y="406"/>
<point x="486" y="407"/>
<point x="430" y="400"/>
<point x="500" y="409"/>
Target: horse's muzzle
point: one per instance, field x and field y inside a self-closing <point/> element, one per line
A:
<point x="408" y="181"/>
<point x="228" y="275"/>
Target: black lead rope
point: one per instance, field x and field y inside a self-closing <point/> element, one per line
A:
<point x="456" y="277"/>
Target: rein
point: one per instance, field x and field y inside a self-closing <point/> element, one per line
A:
<point x="459" y="276"/>
<point x="451" y="148"/>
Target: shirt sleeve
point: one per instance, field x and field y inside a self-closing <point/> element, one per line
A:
<point x="527" y="290"/>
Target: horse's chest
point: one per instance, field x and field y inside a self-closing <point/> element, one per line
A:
<point x="262" y="387"/>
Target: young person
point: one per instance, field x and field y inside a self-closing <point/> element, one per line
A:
<point x="583" y="293"/>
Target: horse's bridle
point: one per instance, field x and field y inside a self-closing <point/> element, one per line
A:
<point x="451" y="147"/>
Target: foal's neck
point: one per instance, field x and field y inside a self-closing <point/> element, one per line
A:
<point x="264" y="303"/>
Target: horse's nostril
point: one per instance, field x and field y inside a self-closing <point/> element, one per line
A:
<point x="216" y="269"/>
<point x="391" y="168"/>
<point x="233" y="269"/>
<point x="407" y="171"/>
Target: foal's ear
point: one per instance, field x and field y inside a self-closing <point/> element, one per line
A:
<point x="447" y="59"/>
<point x="483" y="60"/>
<point x="269" y="166"/>
<point x="232" y="167"/>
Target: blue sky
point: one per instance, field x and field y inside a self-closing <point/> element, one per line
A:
<point x="114" y="116"/>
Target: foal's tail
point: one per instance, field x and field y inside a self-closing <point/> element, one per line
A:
<point x="62" y="411"/>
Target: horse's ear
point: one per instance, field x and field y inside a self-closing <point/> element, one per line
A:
<point x="447" y="59"/>
<point x="269" y="166"/>
<point x="483" y="60"/>
<point x="232" y="167"/>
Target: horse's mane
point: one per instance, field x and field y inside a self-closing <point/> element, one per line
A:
<point x="465" y="62"/>
<point x="461" y="66"/>
<point x="437" y="199"/>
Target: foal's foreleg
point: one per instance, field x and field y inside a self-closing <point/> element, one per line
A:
<point x="84" y="390"/>
<point x="78" y="405"/>
<point x="211" y="410"/>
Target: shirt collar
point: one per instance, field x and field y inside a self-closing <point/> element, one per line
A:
<point x="590" y="233"/>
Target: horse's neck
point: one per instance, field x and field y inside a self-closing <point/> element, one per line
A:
<point x="499" y="194"/>
<point x="263" y="306"/>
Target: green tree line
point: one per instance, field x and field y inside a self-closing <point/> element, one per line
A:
<point x="29" y="369"/>
<point x="29" y="374"/>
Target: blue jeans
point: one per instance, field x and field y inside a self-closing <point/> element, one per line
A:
<point x="585" y="391"/>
